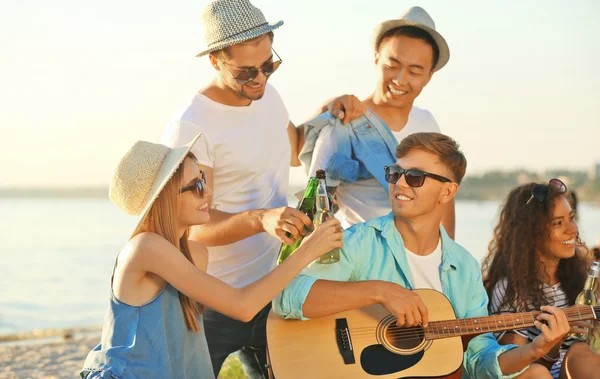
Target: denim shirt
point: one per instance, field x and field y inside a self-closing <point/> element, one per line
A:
<point x="363" y="147"/>
<point x="374" y="250"/>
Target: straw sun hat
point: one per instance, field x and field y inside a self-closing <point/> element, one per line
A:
<point x="229" y="22"/>
<point x="141" y="175"/>
<point x="418" y="18"/>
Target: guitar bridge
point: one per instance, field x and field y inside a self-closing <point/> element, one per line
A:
<point x="344" y="341"/>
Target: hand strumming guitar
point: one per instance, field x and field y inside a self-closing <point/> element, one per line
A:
<point x="405" y="305"/>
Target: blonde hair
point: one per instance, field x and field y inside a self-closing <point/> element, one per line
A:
<point x="161" y="220"/>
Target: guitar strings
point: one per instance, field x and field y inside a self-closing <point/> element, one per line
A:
<point x="437" y="328"/>
<point x="493" y="320"/>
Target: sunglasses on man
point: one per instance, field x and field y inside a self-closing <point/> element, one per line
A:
<point x="198" y="186"/>
<point x="247" y="75"/>
<point x="539" y="191"/>
<point x="414" y="178"/>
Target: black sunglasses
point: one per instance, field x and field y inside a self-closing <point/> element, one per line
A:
<point x="198" y="186"/>
<point x="413" y="177"/>
<point x="247" y="75"/>
<point x="539" y="191"/>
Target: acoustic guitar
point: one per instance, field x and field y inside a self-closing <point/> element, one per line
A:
<point x="367" y="343"/>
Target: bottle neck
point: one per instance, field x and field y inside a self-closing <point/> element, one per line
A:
<point x="590" y="283"/>
<point x="322" y="199"/>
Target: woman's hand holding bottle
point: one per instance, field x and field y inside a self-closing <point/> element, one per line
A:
<point x="323" y="239"/>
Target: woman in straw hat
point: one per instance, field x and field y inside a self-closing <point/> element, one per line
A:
<point x="153" y="326"/>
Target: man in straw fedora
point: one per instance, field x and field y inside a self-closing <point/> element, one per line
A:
<point x="246" y="159"/>
<point x="408" y="51"/>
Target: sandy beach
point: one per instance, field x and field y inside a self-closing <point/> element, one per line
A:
<point x="64" y="359"/>
<point x="52" y="360"/>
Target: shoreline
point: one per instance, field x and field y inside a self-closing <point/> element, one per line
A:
<point x="45" y="335"/>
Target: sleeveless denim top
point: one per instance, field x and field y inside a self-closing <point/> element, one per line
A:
<point x="149" y="341"/>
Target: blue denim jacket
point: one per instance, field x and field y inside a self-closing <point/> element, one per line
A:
<point x="374" y="250"/>
<point x="363" y="147"/>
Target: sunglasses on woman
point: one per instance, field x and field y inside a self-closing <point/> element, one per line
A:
<point x="247" y="75"/>
<point x="539" y="191"/>
<point x="198" y="186"/>
<point x="413" y="177"/>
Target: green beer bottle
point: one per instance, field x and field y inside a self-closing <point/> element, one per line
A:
<point x="588" y="295"/>
<point x="306" y="206"/>
<point x="322" y="214"/>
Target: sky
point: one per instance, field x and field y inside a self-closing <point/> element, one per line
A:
<point x="81" y="81"/>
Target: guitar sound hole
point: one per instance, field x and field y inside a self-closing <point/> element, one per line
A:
<point x="404" y="338"/>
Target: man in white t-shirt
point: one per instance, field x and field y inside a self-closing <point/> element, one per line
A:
<point x="408" y="50"/>
<point x="246" y="157"/>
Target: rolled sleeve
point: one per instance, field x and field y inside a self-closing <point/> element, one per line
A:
<point x="481" y="357"/>
<point x="289" y="302"/>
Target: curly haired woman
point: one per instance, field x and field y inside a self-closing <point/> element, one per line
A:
<point x="536" y="258"/>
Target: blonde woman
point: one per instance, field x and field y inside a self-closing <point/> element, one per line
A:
<point x="153" y="326"/>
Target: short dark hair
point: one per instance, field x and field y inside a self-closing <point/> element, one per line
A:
<point x="439" y="144"/>
<point x="413" y="32"/>
<point x="224" y="52"/>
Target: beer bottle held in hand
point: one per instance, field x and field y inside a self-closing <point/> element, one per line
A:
<point x="588" y="295"/>
<point x="322" y="214"/>
<point x="306" y="206"/>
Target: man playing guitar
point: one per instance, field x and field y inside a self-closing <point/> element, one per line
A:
<point x="384" y="259"/>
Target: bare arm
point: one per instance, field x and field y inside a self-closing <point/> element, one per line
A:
<point x="225" y="228"/>
<point x="449" y="219"/>
<point x="515" y="360"/>
<point x="330" y="297"/>
<point x="156" y="255"/>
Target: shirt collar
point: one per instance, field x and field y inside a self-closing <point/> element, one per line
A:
<point x="388" y="230"/>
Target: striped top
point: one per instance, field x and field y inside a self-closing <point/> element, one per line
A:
<point x="556" y="296"/>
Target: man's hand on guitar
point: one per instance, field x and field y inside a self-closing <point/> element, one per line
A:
<point x="553" y="324"/>
<point x="406" y="305"/>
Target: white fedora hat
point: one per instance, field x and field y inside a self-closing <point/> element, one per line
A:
<point x="229" y="22"/>
<point x="141" y="175"/>
<point x="416" y="17"/>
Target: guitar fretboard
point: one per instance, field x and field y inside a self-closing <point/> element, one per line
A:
<point x="497" y="323"/>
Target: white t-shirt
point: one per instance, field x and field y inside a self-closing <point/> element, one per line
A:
<point x="249" y="151"/>
<point x="425" y="269"/>
<point x="365" y="199"/>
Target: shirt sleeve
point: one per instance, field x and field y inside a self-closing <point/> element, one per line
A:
<point x="179" y="133"/>
<point x="433" y="125"/>
<point x="290" y="301"/>
<point x="481" y="357"/>
<point x="498" y="294"/>
<point x="324" y="150"/>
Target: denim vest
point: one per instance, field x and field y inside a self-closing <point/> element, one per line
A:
<point x="149" y="341"/>
<point x="364" y="147"/>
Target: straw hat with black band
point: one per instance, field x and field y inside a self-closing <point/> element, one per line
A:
<point x="416" y="17"/>
<point x="229" y="22"/>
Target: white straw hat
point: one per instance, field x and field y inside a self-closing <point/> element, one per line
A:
<point x="229" y="22"/>
<point x="142" y="173"/>
<point x="418" y="18"/>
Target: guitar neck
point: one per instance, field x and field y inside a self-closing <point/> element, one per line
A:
<point x="497" y="323"/>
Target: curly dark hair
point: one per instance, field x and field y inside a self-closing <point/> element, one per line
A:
<point x="520" y="233"/>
